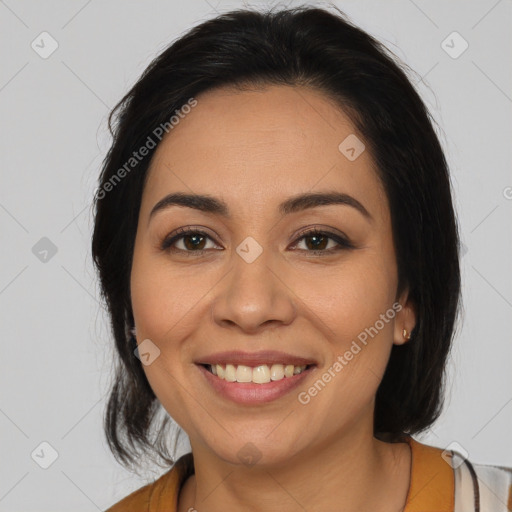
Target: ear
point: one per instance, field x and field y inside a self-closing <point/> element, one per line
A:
<point x="405" y="318"/>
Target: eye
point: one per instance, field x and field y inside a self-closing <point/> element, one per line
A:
<point x="320" y="240"/>
<point x="192" y="240"/>
<point x="195" y="241"/>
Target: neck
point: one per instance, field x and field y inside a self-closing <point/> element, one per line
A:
<point x="334" y="476"/>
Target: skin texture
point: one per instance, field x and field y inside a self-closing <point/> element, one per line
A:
<point x="254" y="149"/>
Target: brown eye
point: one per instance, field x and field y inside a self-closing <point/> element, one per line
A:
<point x="195" y="241"/>
<point x="317" y="241"/>
<point x="192" y="240"/>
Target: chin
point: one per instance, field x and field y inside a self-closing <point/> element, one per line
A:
<point x="256" y="451"/>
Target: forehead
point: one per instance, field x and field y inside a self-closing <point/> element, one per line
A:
<point x="263" y="145"/>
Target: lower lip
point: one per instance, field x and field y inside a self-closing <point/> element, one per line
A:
<point x="251" y="393"/>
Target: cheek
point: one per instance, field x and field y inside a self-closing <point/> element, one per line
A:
<point x="149" y="302"/>
<point x="348" y="310"/>
<point x="163" y="298"/>
<point x="354" y="310"/>
<point x="351" y="298"/>
<point x="158" y="304"/>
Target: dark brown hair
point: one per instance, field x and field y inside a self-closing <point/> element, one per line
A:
<point x="315" y="48"/>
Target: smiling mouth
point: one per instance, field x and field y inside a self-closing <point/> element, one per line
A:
<point x="260" y="374"/>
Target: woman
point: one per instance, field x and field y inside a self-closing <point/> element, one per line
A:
<point x="278" y="250"/>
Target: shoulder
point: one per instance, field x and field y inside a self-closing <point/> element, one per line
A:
<point x="160" y="494"/>
<point x="140" y="500"/>
<point x="482" y="487"/>
<point x="446" y="476"/>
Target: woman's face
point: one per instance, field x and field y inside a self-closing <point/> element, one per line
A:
<point x="253" y="282"/>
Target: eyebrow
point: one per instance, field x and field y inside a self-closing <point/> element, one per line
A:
<point x="301" y="202"/>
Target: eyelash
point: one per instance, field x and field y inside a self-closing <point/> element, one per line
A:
<point x="343" y="243"/>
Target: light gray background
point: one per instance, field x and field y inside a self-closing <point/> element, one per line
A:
<point x="56" y="351"/>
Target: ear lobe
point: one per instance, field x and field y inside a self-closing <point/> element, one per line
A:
<point x="405" y="319"/>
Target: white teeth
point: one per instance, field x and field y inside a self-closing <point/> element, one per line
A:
<point x="230" y="374"/>
<point x="277" y="372"/>
<point x="221" y="372"/>
<point x="259" y="374"/>
<point x="288" y="370"/>
<point x="243" y="373"/>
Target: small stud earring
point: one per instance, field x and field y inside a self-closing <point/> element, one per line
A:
<point x="406" y="335"/>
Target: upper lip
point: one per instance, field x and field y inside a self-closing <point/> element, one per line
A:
<point x="237" y="357"/>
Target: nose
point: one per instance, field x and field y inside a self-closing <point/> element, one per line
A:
<point x="254" y="296"/>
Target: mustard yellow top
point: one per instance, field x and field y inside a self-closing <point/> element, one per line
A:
<point x="431" y="486"/>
